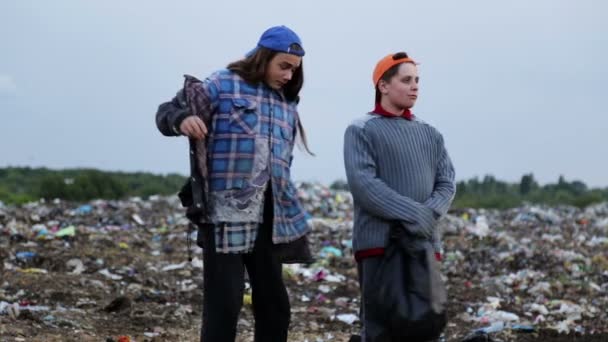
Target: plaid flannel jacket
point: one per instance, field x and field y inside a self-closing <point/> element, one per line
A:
<point x="251" y="138"/>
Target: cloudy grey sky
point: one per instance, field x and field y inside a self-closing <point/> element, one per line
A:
<point x="514" y="86"/>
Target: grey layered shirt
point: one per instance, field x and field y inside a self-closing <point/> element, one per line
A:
<point x="397" y="170"/>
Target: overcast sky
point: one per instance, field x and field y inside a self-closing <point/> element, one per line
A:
<point x="514" y="86"/>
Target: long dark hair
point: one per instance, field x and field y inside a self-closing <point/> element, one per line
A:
<point x="252" y="69"/>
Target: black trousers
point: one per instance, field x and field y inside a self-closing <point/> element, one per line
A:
<point x="366" y="269"/>
<point x="223" y="287"/>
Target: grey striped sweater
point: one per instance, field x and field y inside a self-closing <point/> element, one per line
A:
<point x="397" y="170"/>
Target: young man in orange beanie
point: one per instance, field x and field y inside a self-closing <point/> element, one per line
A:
<point x="398" y="170"/>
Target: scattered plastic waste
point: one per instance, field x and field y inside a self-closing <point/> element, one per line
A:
<point x="84" y="209"/>
<point x="68" y="231"/>
<point x="110" y="275"/>
<point x="70" y="268"/>
<point x="76" y="265"/>
<point x="347" y="318"/>
<point x="495" y="327"/>
<point x="329" y="251"/>
<point x="24" y="256"/>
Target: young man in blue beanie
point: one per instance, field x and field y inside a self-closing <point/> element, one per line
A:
<point x="242" y="122"/>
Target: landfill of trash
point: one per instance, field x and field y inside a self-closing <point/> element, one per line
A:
<point x="119" y="271"/>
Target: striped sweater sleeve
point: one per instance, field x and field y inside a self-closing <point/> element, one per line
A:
<point x="444" y="189"/>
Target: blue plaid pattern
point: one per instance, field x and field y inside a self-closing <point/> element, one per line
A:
<point x="235" y="237"/>
<point x="236" y="113"/>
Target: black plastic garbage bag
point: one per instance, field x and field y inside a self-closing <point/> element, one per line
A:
<point x="408" y="296"/>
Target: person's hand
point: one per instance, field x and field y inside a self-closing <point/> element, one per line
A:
<point x="193" y="127"/>
<point x="420" y="230"/>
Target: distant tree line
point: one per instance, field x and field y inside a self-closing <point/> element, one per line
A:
<point x="492" y="193"/>
<point x="23" y="184"/>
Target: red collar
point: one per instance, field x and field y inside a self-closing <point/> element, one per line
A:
<point x="407" y="114"/>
